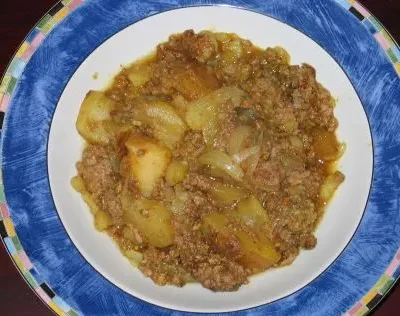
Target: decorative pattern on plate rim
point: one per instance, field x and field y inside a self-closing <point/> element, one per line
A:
<point x="9" y="81"/>
<point x="392" y="50"/>
<point x="379" y="32"/>
<point x="25" y="267"/>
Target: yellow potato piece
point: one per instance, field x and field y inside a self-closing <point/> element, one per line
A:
<point x="78" y="185"/>
<point x="128" y="233"/>
<point x="216" y="222"/>
<point x="102" y="220"/>
<point x="232" y="51"/>
<point x="178" y="204"/>
<point x="153" y="220"/>
<point x="140" y="74"/>
<point x="167" y="125"/>
<point x="147" y="161"/>
<point x="134" y="257"/>
<point x="176" y="172"/>
<point x="194" y="81"/>
<point x="326" y="145"/>
<point x="256" y="254"/>
<point x="89" y="200"/>
<point x="283" y="54"/>
<point x="330" y="185"/>
<point x="251" y="212"/>
<point x="94" y="112"/>
<point x="215" y="226"/>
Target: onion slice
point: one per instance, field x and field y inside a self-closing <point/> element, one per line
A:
<point x="223" y="162"/>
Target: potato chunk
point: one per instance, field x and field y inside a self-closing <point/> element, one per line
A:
<point x="216" y="222"/>
<point x="232" y="51"/>
<point x="330" y="185"/>
<point x="139" y="74"/>
<point x="167" y="125"/>
<point x="102" y="220"/>
<point x="176" y="172"/>
<point x="194" y="81"/>
<point x="326" y="145"/>
<point x="153" y="220"/>
<point x="134" y="257"/>
<point x="79" y="186"/>
<point x="147" y="161"/>
<point x="95" y="111"/>
<point x="251" y="212"/>
<point x="254" y="253"/>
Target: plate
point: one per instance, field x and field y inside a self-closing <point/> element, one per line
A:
<point x="335" y="230"/>
<point x="48" y="231"/>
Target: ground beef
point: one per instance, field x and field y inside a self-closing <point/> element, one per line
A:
<point x="268" y="173"/>
<point x="312" y="102"/>
<point x="191" y="147"/>
<point x="199" y="46"/>
<point x="195" y="181"/>
<point x="220" y="274"/>
<point x="101" y="181"/>
<point x="163" y="267"/>
<point x="240" y="215"/>
<point x="212" y="270"/>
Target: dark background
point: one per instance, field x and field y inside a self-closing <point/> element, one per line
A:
<point x="17" y="17"/>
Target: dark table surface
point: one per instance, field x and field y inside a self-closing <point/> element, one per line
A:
<point x="17" y="17"/>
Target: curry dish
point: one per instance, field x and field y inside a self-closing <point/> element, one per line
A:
<point x="209" y="161"/>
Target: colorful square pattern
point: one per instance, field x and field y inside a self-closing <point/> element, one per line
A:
<point x="28" y="47"/>
<point x="376" y="29"/>
<point x="9" y="81"/>
<point x="385" y="283"/>
<point x="7" y="86"/>
<point x="13" y="245"/>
